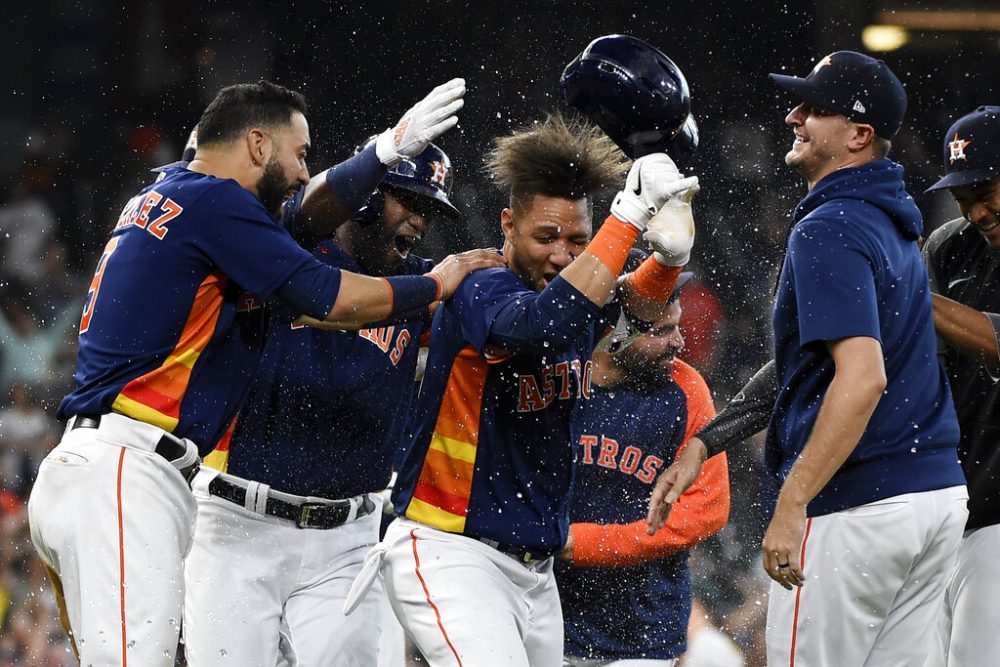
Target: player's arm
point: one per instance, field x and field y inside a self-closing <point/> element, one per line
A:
<point x="971" y="331"/>
<point x="558" y="314"/>
<point x="701" y="512"/>
<point x="334" y="195"/>
<point x="858" y="382"/>
<point x="746" y="414"/>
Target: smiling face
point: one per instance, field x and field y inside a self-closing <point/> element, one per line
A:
<point x="285" y="171"/>
<point x="821" y="140"/>
<point x="980" y="205"/>
<point x="543" y="235"/>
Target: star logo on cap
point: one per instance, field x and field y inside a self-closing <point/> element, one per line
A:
<point x="825" y="62"/>
<point x="957" y="149"/>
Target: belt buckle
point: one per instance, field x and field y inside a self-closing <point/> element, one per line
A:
<point x="311" y="515"/>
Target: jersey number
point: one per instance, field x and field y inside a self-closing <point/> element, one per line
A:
<point x="95" y="284"/>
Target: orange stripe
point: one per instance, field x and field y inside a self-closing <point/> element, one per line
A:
<point x="798" y="593"/>
<point x="163" y="388"/>
<point x="427" y="594"/>
<point x="458" y="417"/>
<point x="447" y="474"/>
<point x="121" y="555"/>
<point x="441" y="499"/>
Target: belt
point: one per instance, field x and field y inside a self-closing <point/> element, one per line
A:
<point x="170" y="447"/>
<point x="304" y="512"/>
<point x="517" y="552"/>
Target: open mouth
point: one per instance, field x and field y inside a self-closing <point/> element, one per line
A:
<point x="547" y="278"/>
<point x="989" y="226"/>
<point x="404" y="243"/>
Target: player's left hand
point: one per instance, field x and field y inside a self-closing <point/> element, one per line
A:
<point x="673" y="482"/>
<point x="426" y="120"/>
<point x="782" y="546"/>
<point x="671" y="231"/>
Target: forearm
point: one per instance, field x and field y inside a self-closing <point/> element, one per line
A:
<point x="364" y="299"/>
<point x="595" y="272"/>
<point x="746" y="414"/>
<point x="334" y="195"/>
<point x="969" y="330"/>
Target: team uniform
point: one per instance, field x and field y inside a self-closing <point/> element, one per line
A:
<point x="484" y="483"/>
<point x="165" y="359"/>
<point x="626" y="598"/>
<point x="884" y="529"/>
<point x="963" y="267"/>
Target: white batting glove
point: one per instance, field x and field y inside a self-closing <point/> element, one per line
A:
<point x="652" y="180"/>
<point x="671" y="231"/>
<point x="426" y="120"/>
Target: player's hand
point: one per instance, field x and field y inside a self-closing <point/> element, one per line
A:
<point x="782" y="544"/>
<point x="673" y="482"/>
<point x="454" y="268"/>
<point x="671" y="231"/>
<point x="426" y="120"/>
<point x="652" y="180"/>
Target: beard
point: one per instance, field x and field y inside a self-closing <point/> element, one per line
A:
<point x="272" y="187"/>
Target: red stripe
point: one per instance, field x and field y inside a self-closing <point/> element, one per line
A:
<point x="427" y="594"/>
<point x="441" y="499"/>
<point x="798" y="592"/>
<point x="121" y="555"/>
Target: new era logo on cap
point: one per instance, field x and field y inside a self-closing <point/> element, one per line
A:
<point x="858" y="86"/>
<point x="972" y="149"/>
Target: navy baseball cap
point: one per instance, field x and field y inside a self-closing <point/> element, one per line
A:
<point x="971" y="149"/>
<point x="858" y="86"/>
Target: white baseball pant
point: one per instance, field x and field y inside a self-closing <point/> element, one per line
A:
<point x="465" y="604"/>
<point x="875" y="581"/>
<point x="574" y="661"/>
<point x="114" y="520"/>
<point x="967" y="634"/>
<point x="262" y="591"/>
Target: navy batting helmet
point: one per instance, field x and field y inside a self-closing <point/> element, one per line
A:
<point x="428" y="175"/>
<point x="635" y="93"/>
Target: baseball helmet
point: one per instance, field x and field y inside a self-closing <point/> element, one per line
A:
<point x="427" y="175"/>
<point x="972" y="149"/>
<point x="635" y="93"/>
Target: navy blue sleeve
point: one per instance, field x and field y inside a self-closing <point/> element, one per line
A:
<point x="834" y="282"/>
<point x="495" y="307"/>
<point x="311" y="290"/>
<point x="353" y="180"/>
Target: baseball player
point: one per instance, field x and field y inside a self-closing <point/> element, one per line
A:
<point x="626" y="596"/>
<point x="483" y="485"/>
<point x="316" y="437"/>
<point x="963" y="263"/>
<point x="166" y="355"/>
<point x="863" y="434"/>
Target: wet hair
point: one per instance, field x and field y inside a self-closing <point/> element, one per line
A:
<point x="240" y="107"/>
<point x="560" y="157"/>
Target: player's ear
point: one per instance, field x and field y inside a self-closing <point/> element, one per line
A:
<point x="863" y="136"/>
<point x="257" y="145"/>
<point x="507" y="224"/>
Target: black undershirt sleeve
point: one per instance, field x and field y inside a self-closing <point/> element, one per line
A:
<point x="747" y="413"/>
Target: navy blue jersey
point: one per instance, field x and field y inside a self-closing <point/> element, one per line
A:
<point x="628" y="594"/>
<point x="489" y="451"/>
<point x="327" y="408"/>
<point x="161" y="339"/>
<point x="853" y="269"/>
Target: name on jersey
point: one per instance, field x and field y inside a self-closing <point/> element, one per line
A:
<point x="382" y="339"/>
<point x="537" y="390"/>
<point x="139" y="211"/>
<point x="627" y="460"/>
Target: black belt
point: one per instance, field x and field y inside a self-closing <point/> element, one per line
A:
<point x="515" y="551"/>
<point x="307" y="514"/>
<point x="168" y="446"/>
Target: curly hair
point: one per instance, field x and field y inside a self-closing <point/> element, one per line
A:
<point x="240" y="107"/>
<point x="567" y="158"/>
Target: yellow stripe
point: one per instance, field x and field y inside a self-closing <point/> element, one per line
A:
<point x="217" y="459"/>
<point x="187" y="358"/>
<point x="456" y="449"/>
<point x="420" y="511"/>
<point x="136" y="410"/>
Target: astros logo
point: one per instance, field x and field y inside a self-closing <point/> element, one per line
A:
<point x="440" y="173"/>
<point x="957" y="148"/>
<point x="826" y="62"/>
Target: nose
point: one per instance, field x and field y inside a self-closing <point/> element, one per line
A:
<point x="561" y="255"/>
<point x="303" y="176"/>
<point x="976" y="213"/>
<point x="796" y="116"/>
<point x="676" y="339"/>
<point x="419" y="223"/>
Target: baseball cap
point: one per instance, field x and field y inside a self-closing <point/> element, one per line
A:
<point x="858" y="86"/>
<point x="972" y="149"/>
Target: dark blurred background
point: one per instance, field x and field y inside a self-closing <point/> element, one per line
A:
<point x="97" y="92"/>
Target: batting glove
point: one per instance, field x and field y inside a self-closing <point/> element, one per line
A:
<point x="671" y="231"/>
<point x="652" y="180"/>
<point x="427" y="120"/>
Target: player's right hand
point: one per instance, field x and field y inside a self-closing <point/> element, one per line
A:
<point x="426" y="120"/>
<point x="671" y="231"/>
<point x="673" y="482"/>
<point x="651" y="182"/>
<point x="454" y="268"/>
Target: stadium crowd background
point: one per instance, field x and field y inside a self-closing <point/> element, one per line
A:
<point x="100" y="92"/>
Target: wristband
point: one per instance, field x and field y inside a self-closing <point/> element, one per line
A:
<point x="410" y="293"/>
<point x="654" y="280"/>
<point x="612" y="243"/>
